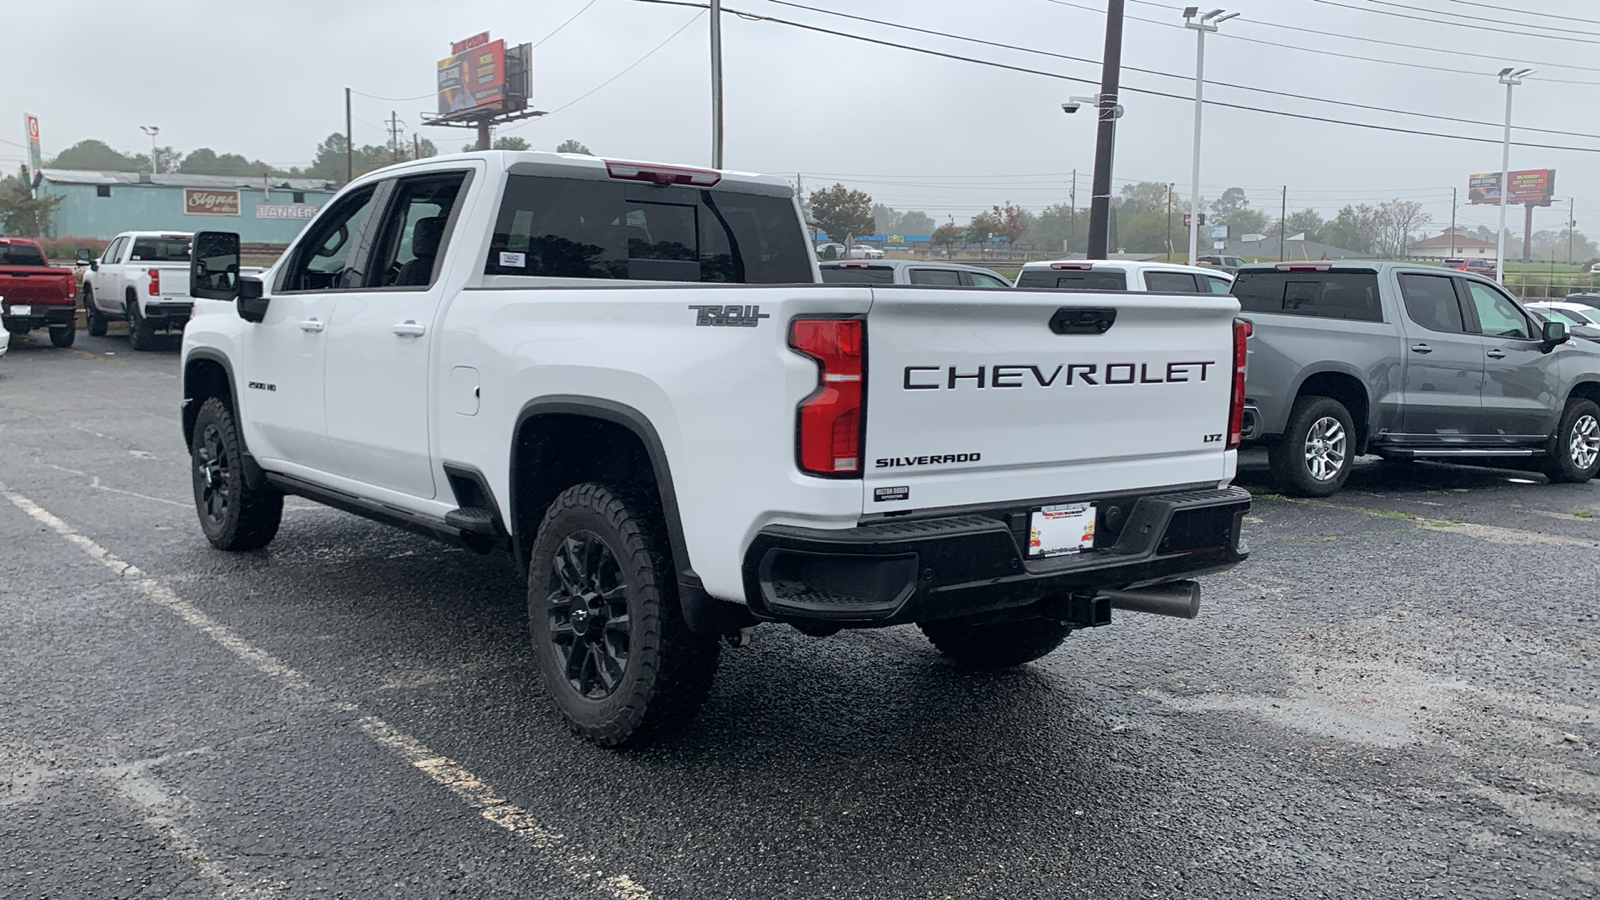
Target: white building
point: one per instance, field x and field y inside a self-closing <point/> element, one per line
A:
<point x="1460" y="245"/>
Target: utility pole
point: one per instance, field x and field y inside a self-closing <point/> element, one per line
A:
<point x="349" y="149"/>
<point x="1072" y="211"/>
<point x="416" y="145"/>
<point x="1572" y="225"/>
<point x="394" y="136"/>
<point x="1283" y="225"/>
<point x="155" y="159"/>
<point x="1205" y="23"/>
<point x="1510" y="78"/>
<point x="1169" y="221"/>
<point x="1105" y="144"/>
<point x="716" y="84"/>
<point x="1452" y="221"/>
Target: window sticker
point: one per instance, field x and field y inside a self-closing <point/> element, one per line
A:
<point x="518" y="260"/>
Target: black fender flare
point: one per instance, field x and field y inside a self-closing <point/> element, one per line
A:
<point x="254" y="476"/>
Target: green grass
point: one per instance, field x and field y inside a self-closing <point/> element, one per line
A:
<point x="1583" y="513"/>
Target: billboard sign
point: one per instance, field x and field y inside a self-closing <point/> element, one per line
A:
<point x="472" y="77"/>
<point x="1533" y="187"/>
<point x="205" y="202"/>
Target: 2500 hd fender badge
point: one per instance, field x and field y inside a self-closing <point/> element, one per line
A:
<point x="934" y="378"/>
<point x="729" y="316"/>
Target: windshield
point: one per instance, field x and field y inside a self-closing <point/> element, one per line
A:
<point x="160" y="249"/>
<point x="858" y="275"/>
<point x="21" y="255"/>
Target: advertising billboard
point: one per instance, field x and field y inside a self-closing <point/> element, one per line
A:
<point x="206" y="202"/>
<point x="473" y="76"/>
<point x="1534" y="187"/>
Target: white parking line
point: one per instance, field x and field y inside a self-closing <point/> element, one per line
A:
<point x="472" y="790"/>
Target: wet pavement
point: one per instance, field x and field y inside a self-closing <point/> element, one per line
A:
<point x="1395" y="697"/>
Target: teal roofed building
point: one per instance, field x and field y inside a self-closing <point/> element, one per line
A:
<point x="101" y="205"/>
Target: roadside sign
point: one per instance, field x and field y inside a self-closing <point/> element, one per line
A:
<point x="1187" y="220"/>
<point x="35" y="157"/>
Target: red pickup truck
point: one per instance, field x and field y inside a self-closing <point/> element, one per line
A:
<point x="35" y="294"/>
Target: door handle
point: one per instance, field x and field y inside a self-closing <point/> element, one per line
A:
<point x="1497" y="353"/>
<point x="1421" y="348"/>
<point x="410" y="328"/>
<point x="311" y="325"/>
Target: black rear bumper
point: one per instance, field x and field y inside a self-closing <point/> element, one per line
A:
<point x="41" y="316"/>
<point x="916" y="570"/>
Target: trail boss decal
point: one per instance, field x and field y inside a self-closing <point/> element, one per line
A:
<point x="729" y="316"/>
<point x="935" y="378"/>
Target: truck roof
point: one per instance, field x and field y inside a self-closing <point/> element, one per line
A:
<point x="596" y="167"/>
<point x="1124" y="265"/>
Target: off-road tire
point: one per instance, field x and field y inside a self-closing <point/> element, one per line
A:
<point x="1288" y="454"/>
<point x="995" y="645"/>
<point x="92" y="317"/>
<point x="62" y="336"/>
<point x="140" y="337"/>
<point x="233" y="515"/>
<point x="666" y="669"/>
<point x="1580" y="426"/>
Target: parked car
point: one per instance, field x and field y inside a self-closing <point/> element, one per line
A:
<point x="1409" y="362"/>
<point x="1571" y="313"/>
<point x="1584" y="299"/>
<point x="1229" y="264"/>
<point x="1122" y="275"/>
<point x="1578" y="327"/>
<point x="856" y="251"/>
<point x="5" y="341"/>
<point x="482" y="381"/>
<point x="1484" y="267"/>
<point x="141" y="278"/>
<point x="905" y="271"/>
<point x="35" y="294"/>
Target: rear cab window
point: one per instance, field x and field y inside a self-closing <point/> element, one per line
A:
<point x="1073" y="279"/>
<point x="857" y="274"/>
<point x="1349" y="294"/>
<point x="939" y="277"/>
<point x="1170" y="283"/>
<point x="579" y="228"/>
<point x="20" y="255"/>
<point x="173" y="248"/>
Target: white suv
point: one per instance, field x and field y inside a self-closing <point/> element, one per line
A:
<point x="1123" y="275"/>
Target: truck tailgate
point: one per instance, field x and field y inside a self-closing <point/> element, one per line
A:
<point x="35" y="284"/>
<point x="976" y="397"/>
<point x="174" y="282"/>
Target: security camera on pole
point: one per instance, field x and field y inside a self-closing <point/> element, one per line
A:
<point x="1205" y="23"/>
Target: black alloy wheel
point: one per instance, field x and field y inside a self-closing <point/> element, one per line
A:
<point x="93" y="319"/>
<point x="213" y="477"/>
<point x="233" y="515"/>
<point x="587" y="607"/>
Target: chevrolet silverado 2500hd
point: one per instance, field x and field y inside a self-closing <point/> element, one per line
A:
<point x="628" y="376"/>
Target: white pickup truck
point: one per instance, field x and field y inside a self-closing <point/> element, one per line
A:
<point x="141" y="278"/>
<point x="628" y="376"/>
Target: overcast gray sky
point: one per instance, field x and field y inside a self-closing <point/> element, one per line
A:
<point x="266" y="80"/>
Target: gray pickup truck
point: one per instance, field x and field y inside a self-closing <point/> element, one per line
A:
<point x="1409" y="362"/>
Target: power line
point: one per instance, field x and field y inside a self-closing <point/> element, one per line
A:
<point x="1241" y="87"/>
<point x="1307" y="117"/>
<point x="1498" y="59"/>
<point x="1481" y="18"/>
<point x="566" y="23"/>
<point x="393" y="99"/>
<point x="1438" y="21"/>
<point x="630" y="68"/>
<point x="1526" y="12"/>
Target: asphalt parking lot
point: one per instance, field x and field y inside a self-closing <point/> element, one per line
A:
<point x="1395" y="697"/>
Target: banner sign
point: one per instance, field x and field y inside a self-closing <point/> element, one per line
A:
<point x="286" y="211"/>
<point x="472" y="77"/>
<point x="205" y="202"/>
<point x="35" y="158"/>
<point x="1536" y="187"/>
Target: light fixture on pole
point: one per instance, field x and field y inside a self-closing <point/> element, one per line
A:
<point x="155" y="161"/>
<point x="1510" y="78"/>
<point x="1201" y="25"/>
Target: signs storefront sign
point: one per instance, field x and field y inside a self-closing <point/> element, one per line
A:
<point x="206" y="202"/>
<point x="286" y="211"/>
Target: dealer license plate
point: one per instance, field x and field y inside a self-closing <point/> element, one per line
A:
<point x="1061" y="530"/>
<point x="21" y="310"/>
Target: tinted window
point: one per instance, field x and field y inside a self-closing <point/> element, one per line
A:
<point x="413" y="232"/>
<point x="1431" y="302"/>
<point x="325" y="258"/>
<point x="21" y="255"/>
<point x="1218" y="285"/>
<point x="858" y="275"/>
<point x="1073" y="280"/>
<point x="113" y="252"/>
<point x="936" y="276"/>
<point x="1497" y="315"/>
<point x="570" y="228"/>
<point x="987" y="281"/>
<point x="160" y="249"/>
<point x="1326" y="295"/>
<point x="1170" y="282"/>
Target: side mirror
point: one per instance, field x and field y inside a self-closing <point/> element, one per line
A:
<point x="1555" y="333"/>
<point x="82" y="257"/>
<point x="214" y="266"/>
<point x="252" y="305"/>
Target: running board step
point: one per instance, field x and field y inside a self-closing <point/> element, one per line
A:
<point x="473" y="520"/>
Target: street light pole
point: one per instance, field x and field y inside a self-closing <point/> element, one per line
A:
<point x="1510" y="78"/>
<point x="1203" y="24"/>
<point x="155" y="162"/>
<point x="716" y="84"/>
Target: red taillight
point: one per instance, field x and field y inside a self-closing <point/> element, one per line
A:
<point x="155" y="282"/>
<point x="662" y="175"/>
<point x="829" y="430"/>
<point x="1241" y="346"/>
<point x="1076" y="266"/>
<point x="1304" y="267"/>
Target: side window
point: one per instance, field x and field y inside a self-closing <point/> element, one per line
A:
<point x="413" y="234"/>
<point x="1431" y="302"/>
<point x="986" y="281"/>
<point x="942" y="277"/>
<point x="1217" y="285"/>
<point x="112" y="252"/>
<point x="323" y="259"/>
<point x="1170" y="282"/>
<point x="1497" y="315"/>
